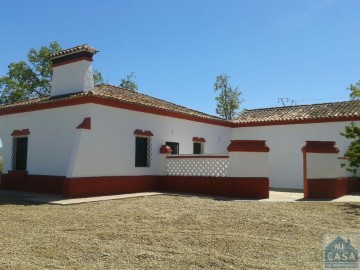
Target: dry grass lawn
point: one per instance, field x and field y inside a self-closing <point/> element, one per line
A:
<point x="170" y="232"/>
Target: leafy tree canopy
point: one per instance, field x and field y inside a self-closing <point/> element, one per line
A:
<point x="355" y="91"/>
<point x="129" y="82"/>
<point x="228" y="100"/>
<point x="98" y="78"/>
<point x="353" y="132"/>
<point x="353" y="152"/>
<point x="29" y="79"/>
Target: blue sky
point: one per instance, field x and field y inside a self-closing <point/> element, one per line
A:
<point x="304" y="50"/>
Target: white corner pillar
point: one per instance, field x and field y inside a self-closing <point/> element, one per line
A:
<point x="164" y="152"/>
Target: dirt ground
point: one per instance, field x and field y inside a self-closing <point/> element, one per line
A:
<point x="170" y="232"/>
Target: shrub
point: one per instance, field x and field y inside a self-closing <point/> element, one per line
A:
<point x="353" y="152"/>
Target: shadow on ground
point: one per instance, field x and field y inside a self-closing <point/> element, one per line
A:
<point x="313" y="200"/>
<point x="351" y="208"/>
<point x="215" y="198"/>
<point x="11" y="199"/>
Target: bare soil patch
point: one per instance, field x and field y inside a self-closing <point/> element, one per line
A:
<point x="169" y="232"/>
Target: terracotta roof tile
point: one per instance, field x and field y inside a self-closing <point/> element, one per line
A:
<point x="302" y="112"/>
<point x="133" y="97"/>
<point x="80" y="48"/>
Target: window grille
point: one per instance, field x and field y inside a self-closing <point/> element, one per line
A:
<point x="202" y="149"/>
<point x="149" y="151"/>
<point x="199" y="148"/>
<point x="142" y="151"/>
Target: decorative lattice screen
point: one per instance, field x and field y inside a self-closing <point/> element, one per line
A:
<point x="199" y="166"/>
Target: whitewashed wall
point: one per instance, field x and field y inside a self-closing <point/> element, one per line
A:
<point x="51" y="140"/>
<point x="72" y="78"/>
<point x="248" y="164"/>
<point x="109" y="147"/>
<point x="56" y="147"/>
<point x="286" y="141"/>
<point x="325" y="165"/>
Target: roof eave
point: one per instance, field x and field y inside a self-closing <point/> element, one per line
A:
<point x="297" y="121"/>
<point x="111" y="102"/>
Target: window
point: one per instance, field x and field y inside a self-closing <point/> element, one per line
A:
<point x="20" y="147"/>
<point x="197" y="148"/>
<point x="142" y="148"/>
<point x="199" y="145"/>
<point x="142" y="152"/>
<point x="174" y="147"/>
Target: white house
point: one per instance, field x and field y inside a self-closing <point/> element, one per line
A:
<point x="286" y="129"/>
<point x="86" y="140"/>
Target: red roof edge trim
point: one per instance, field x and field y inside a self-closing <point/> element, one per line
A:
<point x="297" y="121"/>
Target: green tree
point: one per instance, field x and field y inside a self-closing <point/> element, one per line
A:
<point x="353" y="132"/>
<point x="228" y="100"/>
<point x="353" y="152"/>
<point x="355" y="91"/>
<point x="98" y="78"/>
<point x="129" y="82"/>
<point x="29" y="79"/>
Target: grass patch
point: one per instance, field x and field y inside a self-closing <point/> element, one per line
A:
<point x="170" y="232"/>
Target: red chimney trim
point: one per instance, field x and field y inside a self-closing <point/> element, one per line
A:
<point x="86" y="58"/>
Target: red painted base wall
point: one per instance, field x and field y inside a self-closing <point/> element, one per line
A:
<point x="44" y="183"/>
<point x="108" y="185"/>
<point x="14" y="180"/>
<point x="251" y="188"/>
<point x="331" y="188"/>
<point x="21" y="181"/>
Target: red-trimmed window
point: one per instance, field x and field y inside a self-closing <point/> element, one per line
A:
<point x="142" y="148"/>
<point x="198" y="145"/>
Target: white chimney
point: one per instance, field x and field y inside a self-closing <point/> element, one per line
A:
<point x="72" y="70"/>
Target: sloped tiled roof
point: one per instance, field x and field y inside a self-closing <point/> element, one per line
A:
<point x="133" y="97"/>
<point x="80" y="48"/>
<point x="335" y="110"/>
<point x="114" y="93"/>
